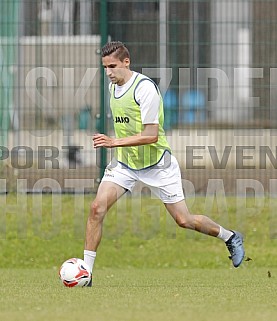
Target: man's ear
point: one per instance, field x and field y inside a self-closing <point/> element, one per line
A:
<point x="127" y="62"/>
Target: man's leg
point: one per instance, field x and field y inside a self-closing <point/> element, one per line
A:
<point x="204" y="224"/>
<point x="200" y="223"/>
<point x="108" y="193"/>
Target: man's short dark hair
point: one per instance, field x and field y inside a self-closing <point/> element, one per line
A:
<point x="117" y="48"/>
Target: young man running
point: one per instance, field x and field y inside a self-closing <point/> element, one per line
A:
<point x="142" y="153"/>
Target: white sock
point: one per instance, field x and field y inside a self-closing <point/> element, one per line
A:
<point x="89" y="258"/>
<point x="224" y="234"/>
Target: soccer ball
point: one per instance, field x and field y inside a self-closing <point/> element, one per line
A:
<point x="75" y="272"/>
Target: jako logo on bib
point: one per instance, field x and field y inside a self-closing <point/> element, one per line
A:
<point x="122" y="120"/>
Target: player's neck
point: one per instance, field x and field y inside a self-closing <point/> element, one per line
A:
<point x="127" y="77"/>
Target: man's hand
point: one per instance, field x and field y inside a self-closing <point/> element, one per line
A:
<point x="101" y="140"/>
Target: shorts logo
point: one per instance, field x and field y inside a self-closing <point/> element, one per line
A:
<point x="122" y="120"/>
<point x="172" y="195"/>
<point x="108" y="173"/>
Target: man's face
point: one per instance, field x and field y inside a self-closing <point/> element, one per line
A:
<point x="115" y="69"/>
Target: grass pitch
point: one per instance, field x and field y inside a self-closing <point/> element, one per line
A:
<point x="141" y="294"/>
<point x="146" y="267"/>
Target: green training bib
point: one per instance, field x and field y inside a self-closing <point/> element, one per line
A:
<point x="127" y="122"/>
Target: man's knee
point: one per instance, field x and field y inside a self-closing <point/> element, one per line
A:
<point x="97" y="211"/>
<point x="185" y="221"/>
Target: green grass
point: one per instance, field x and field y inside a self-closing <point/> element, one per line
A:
<point x="146" y="267"/>
<point x="141" y="294"/>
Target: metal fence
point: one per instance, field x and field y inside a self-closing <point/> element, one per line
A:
<point x="214" y="61"/>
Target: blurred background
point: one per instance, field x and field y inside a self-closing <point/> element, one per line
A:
<point x="214" y="61"/>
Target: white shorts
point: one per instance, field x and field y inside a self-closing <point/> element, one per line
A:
<point x="163" y="179"/>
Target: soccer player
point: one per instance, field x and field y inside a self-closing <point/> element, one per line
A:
<point x="142" y="153"/>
